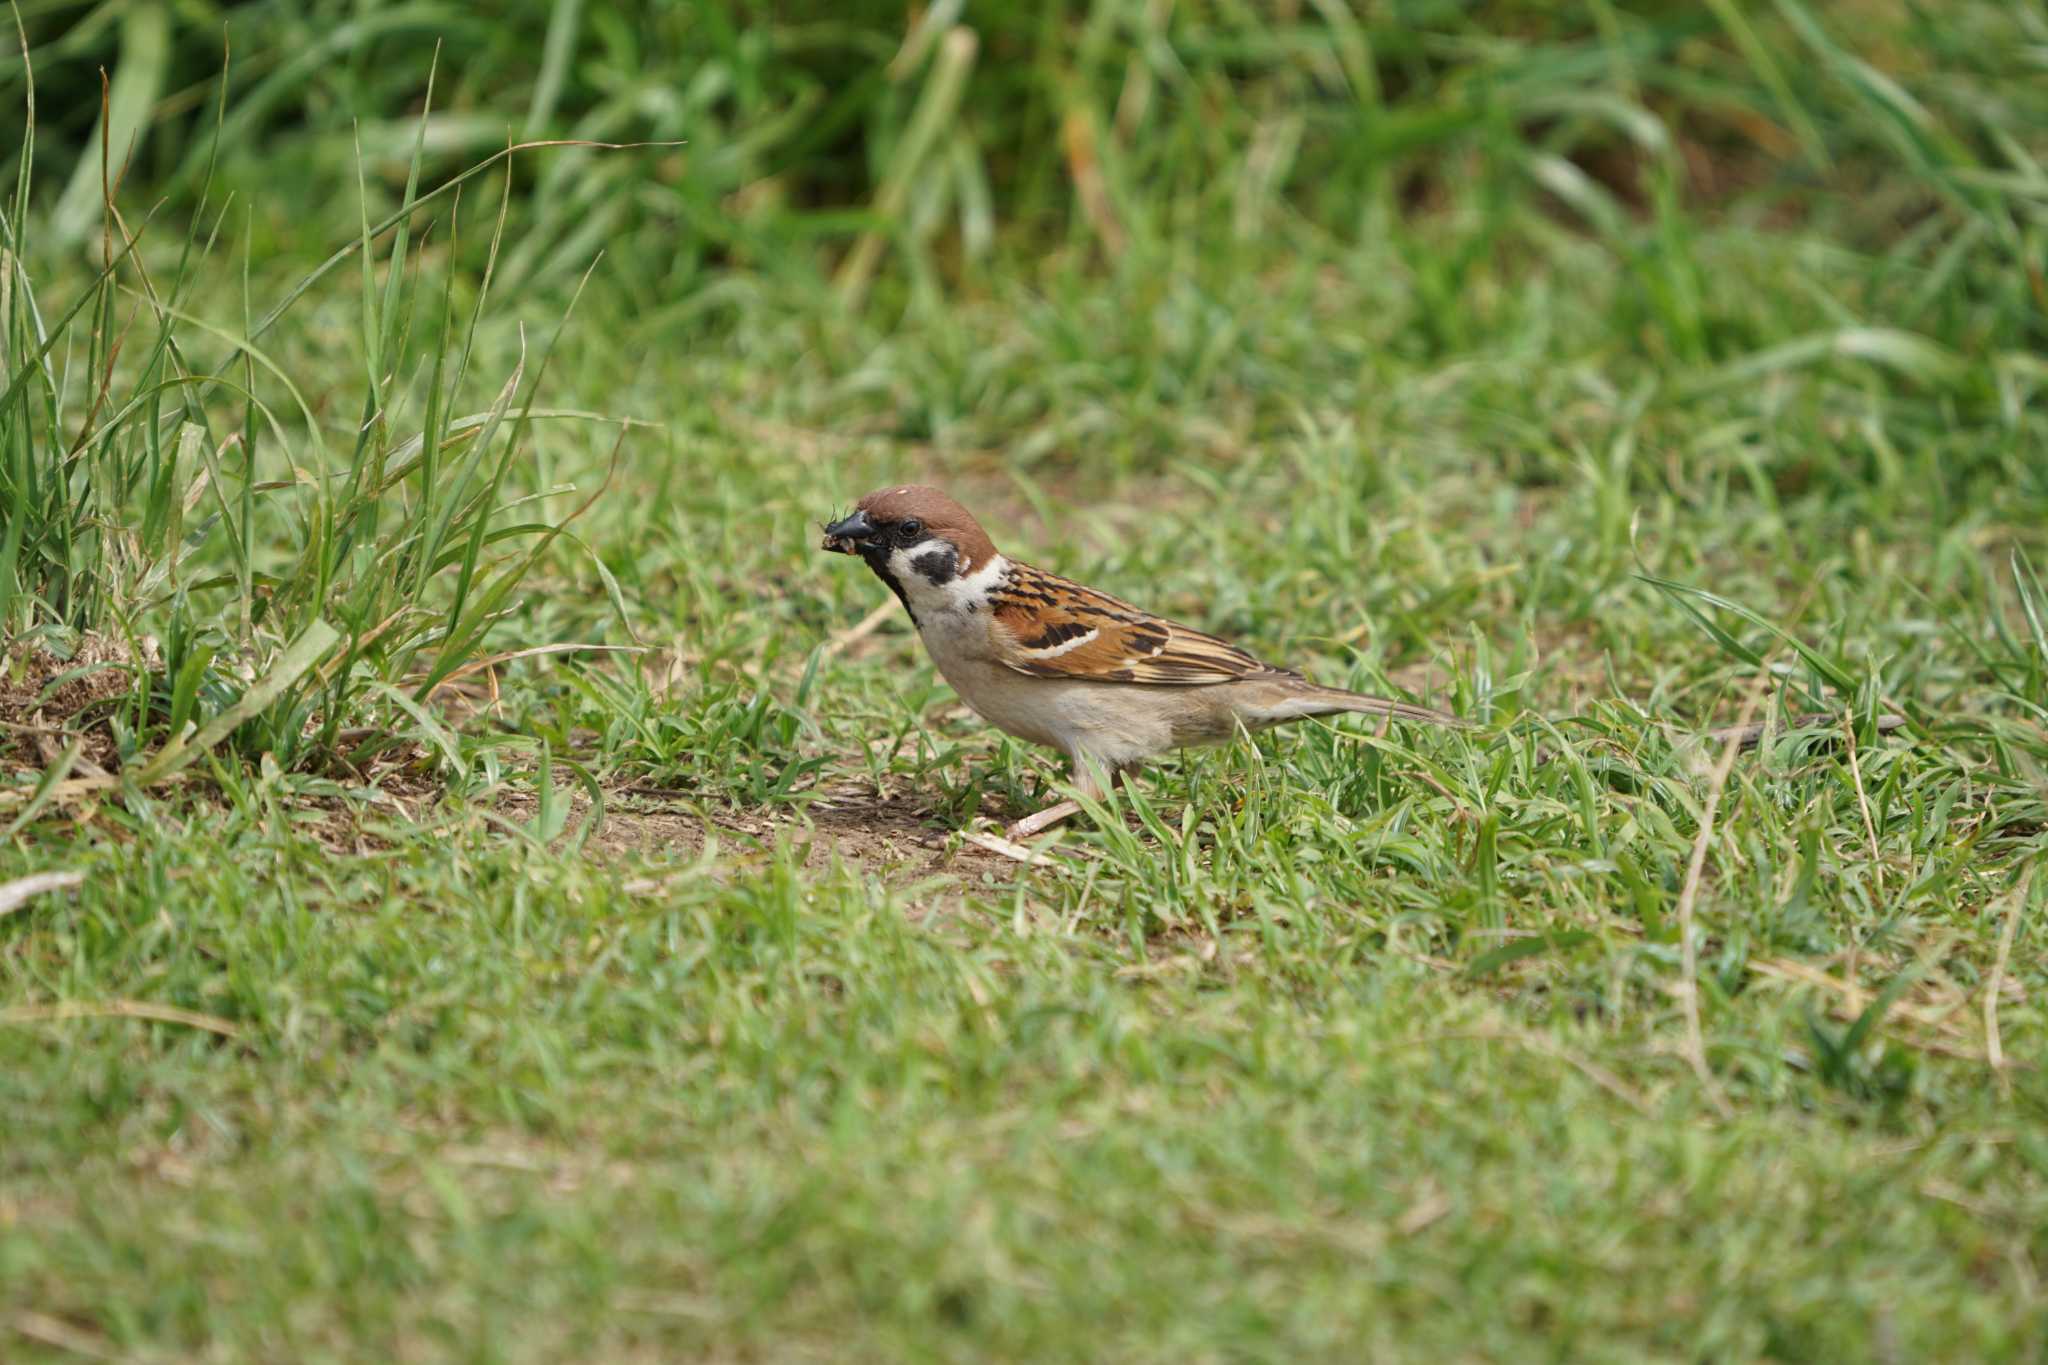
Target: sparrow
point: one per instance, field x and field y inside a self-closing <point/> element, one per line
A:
<point x="1053" y="662"/>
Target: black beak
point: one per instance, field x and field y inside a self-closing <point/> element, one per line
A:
<point x="841" y="535"/>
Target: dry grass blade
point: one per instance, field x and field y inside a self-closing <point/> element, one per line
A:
<point x="1863" y="802"/>
<point x="1431" y="1206"/>
<point x="61" y="1010"/>
<point x="996" y="843"/>
<point x="22" y="890"/>
<point x="1994" y="1047"/>
<point x="1689" y="894"/>
<point x="46" y="790"/>
<point x="843" y="640"/>
<point x="1079" y="141"/>
<point x="1850" y="1000"/>
<point x="41" y="1327"/>
<point x="936" y="107"/>
<point x="72" y="789"/>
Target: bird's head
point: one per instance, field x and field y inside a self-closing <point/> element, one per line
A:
<point x="914" y="529"/>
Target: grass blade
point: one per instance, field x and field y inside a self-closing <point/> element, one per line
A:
<point x="303" y="653"/>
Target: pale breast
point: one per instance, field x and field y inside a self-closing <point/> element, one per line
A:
<point x="1110" y="723"/>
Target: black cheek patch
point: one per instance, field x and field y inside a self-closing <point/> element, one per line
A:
<point x="938" y="566"/>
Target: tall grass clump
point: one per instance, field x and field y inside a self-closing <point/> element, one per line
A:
<point x="300" y="582"/>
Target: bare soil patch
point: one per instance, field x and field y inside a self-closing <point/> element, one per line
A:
<point x="897" y="838"/>
<point x="49" y="699"/>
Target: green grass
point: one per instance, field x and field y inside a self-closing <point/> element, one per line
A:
<point x="516" y="924"/>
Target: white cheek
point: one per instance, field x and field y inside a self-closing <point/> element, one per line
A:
<point x="926" y="600"/>
<point x="915" y="585"/>
<point x="956" y="594"/>
<point x="983" y="580"/>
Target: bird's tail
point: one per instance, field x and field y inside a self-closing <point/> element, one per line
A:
<point x="1329" y="701"/>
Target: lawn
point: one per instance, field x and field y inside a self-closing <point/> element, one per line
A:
<point x="503" y="894"/>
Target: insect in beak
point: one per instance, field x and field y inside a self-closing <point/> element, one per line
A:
<point x="841" y="536"/>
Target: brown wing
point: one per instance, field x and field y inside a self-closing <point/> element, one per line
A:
<point x="1062" y="630"/>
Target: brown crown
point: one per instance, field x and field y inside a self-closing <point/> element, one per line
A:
<point x="940" y="514"/>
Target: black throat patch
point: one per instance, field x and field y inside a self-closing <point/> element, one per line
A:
<point x="878" y="560"/>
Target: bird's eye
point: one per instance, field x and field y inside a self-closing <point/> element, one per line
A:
<point x="910" y="531"/>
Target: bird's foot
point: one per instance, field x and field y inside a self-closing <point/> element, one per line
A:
<point x="1008" y="842"/>
<point x="1039" y="821"/>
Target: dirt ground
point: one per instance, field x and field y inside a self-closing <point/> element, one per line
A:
<point x="896" y="838"/>
<point x="47" y="701"/>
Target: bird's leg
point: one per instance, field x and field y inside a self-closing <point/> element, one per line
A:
<point x="1090" y="784"/>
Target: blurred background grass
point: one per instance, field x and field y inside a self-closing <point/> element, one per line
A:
<point x="1106" y="126"/>
<point x="1466" y="146"/>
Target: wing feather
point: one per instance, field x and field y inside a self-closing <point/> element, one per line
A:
<point x="1060" y="629"/>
